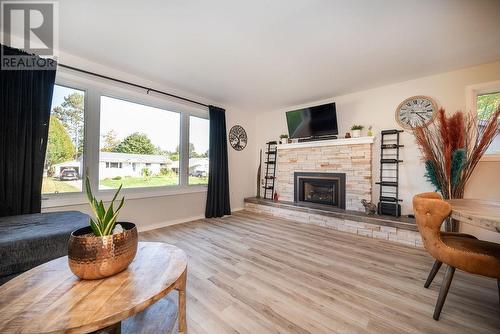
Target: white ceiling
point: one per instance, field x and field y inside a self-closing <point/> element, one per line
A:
<point x="263" y="55"/>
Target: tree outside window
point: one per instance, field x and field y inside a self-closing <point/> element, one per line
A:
<point x="64" y="157"/>
<point x="486" y="105"/>
<point x="143" y="140"/>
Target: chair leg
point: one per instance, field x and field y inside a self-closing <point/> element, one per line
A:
<point x="443" y="292"/>
<point x="498" y="283"/>
<point x="432" y="274"/>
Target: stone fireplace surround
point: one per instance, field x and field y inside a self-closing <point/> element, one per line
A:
<point x="350" y="156"/>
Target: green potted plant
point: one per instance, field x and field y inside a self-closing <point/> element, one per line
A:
<point x="356" y="130"/>
<point x="284" y="138"/>
<point x="105" y="247"/>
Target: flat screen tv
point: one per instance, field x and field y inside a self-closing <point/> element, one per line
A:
<point x="313" y="121"/>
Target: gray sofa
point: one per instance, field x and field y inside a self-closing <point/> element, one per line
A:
<point x="29" y="240"/>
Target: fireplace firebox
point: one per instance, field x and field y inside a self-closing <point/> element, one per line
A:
<point x="320" y="188"/>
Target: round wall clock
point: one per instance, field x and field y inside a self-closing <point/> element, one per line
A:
<point x="238" y="137"/>
<point x="416" y="111"/>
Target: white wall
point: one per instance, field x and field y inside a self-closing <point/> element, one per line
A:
<point x="377" y="106"/>
<point x="153" y="212"/>
<point x="242" y="164"/>
<point x="370" y="107"/>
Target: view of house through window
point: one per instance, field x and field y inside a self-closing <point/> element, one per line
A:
<point x="198" y="150"/>
<point x="64" y="158"/>
<point x="486" y="105"/>
<point x="139" y="145"/>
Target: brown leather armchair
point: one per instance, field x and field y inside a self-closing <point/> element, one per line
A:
<point x="437" y="264"/>
<point x="468" y="254"/>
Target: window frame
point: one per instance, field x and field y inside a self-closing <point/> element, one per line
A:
<point x="188" y="141"/>
<point x="94" y="88"/>
<point x="113" y="94"/>
<point x="472" y="92"/>
<point x="76" y="86"/>
<point x="118" y="164"/>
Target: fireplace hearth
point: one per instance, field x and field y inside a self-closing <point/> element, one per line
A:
<point x="320" y="188"/>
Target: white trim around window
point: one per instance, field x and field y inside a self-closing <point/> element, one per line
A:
<point x="471" y="93"/>
<point x="95" y="88"/>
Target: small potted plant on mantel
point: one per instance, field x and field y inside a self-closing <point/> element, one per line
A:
<point x="356" y="130"/>
<point x="106" y="247"/>
<point x="284" y="138"/>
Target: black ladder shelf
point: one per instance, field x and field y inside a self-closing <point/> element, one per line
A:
<point x="389" y="173"/>
<point x="270" y="162"/>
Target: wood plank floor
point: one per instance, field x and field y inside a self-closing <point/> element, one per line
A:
<point x="251" y="273"/>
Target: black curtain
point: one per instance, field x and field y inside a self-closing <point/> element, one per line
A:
<point x="25" y="101"/>
<point x="218" y="173"/>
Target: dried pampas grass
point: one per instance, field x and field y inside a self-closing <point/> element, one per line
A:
<point x="452" y="146"/>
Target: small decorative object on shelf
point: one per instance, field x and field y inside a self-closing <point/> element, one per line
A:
<point x="370" y="208"/>
<point x="106" y="247"/>
<point x="238" y="138"/>
<point x="283" y="138"/>
<point x="356" y="130"/>
<point x="347" y="135"/>
<point x="275" y="197"/>
<point x="370" y="131"/>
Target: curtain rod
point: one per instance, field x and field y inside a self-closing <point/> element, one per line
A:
<point x="133" y="84"/>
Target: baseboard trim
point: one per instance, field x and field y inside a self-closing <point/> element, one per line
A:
<point x="158" y="225"/>
<point x="154" y="226"/>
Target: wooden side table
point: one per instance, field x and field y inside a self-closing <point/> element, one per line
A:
<point x="50" y="299"/>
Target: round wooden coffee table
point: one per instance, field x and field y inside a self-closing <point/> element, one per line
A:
<point x="50" y="299"/>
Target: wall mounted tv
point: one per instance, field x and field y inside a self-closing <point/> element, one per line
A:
<point x="313" y="121"/>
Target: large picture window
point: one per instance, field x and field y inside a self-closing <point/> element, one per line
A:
<point x="151" y="145"/>
<point x="63" y="168"/>
<point x="198" y="150"/>
<point x="139" y="145"/>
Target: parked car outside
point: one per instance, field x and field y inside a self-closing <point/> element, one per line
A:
<point x="69" y="174"/>
<point x="199" y="173"/>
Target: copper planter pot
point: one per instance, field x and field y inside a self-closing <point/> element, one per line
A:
<point x="92" y="257"/>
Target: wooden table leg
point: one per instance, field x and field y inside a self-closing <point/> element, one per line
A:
<point x="181" y="288"/>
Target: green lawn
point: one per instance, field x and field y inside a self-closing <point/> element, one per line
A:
<point x="154" y="181"/>
<point x="54" y="185"/>
<point x="198" y="180"/>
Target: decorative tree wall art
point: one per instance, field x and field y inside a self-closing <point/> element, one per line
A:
<point x="238" y="138"/>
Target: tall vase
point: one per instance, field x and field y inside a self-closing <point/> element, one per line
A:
<point x="259" y="173"/>
<point x="452" y="225"/>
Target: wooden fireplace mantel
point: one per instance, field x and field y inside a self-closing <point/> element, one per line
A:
<point x="331" y="142"/>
